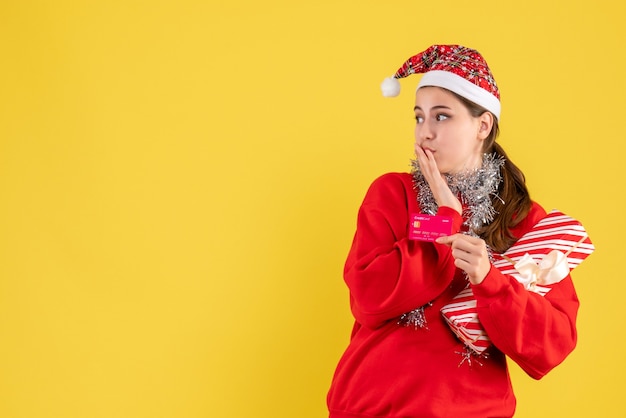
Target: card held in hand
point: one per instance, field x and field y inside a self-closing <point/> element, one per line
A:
<point x="424" y="227"/>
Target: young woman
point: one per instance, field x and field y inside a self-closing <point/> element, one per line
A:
<point x="403" y="360"/>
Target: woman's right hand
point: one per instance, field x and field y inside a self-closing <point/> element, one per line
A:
<point x="436" y="181"/>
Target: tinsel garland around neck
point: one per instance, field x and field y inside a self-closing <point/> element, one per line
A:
<point x="475" y="189"/>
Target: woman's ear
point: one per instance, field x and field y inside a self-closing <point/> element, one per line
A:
<point x="485" y="125"/>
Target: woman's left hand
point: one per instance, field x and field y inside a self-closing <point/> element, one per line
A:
<point x="436" y="181"/>
<point x="470" y="255"/>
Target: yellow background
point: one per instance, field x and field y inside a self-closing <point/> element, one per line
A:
<point x="179" y="183"/>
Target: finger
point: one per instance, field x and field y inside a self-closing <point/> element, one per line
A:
<point x="447" y="240"/>
<point x="426" y="159"/>
<point x="421" y="155"/>
<point x="430" y="155"/>
<point x="463" y="247"/>
<point x="425" y="164"/>
<point x="473" y="253"/>
<point x="467" y="242"/>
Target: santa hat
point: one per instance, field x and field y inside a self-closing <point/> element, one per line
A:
<point x="454" y="67"/>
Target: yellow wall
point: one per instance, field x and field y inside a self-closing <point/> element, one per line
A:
<point x="179" y="182"/>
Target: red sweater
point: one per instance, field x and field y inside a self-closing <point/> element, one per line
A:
<point x="393" y="371"/>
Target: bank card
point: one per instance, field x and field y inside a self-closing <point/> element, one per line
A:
<point x="424" y="227"/>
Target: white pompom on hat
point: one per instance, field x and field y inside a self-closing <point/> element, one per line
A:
<point x="390" y="87"/>
<point x="454" y="67"/>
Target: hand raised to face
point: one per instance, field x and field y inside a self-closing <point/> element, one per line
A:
<point x="436" y="181"/>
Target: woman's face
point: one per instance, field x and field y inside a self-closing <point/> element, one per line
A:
<point x="446" y="128"/>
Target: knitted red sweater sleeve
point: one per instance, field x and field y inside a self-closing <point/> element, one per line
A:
<point x="387" y="273"/>
<point x="537" y="332"/>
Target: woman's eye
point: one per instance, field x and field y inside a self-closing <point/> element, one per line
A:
<point x="419" y="119"/>
<point x="441" y="117"/>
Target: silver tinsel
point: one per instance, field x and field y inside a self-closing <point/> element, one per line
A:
<point x="415" y="318"/>
<point x="475" y="189"/>
<point x="470" y="357"/>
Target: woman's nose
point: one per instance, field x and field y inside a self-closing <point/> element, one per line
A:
<point x="424" y="131"/>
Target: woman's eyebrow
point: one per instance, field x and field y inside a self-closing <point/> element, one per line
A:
<point x="434" y="107"/>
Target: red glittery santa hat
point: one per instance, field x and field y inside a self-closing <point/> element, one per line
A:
<point x="454" y="67"/>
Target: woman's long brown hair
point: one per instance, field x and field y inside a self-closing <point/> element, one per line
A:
<point x="513" y="201"/>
